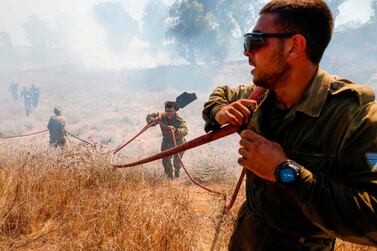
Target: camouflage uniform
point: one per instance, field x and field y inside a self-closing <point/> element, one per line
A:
<point x="167" y="141"/>
<point x="332" y="133"/>
<point x="56" y="127"/>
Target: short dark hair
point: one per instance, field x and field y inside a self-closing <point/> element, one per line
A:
<point x="310" y="18"/>
<point x="171" y="104"/>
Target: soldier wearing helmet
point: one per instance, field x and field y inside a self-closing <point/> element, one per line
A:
<point x="56" y="128"/>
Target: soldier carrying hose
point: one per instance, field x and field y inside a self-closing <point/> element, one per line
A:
<point x="170" y="121"/>
<point x="56" y="128"/>
<point x="310" y="147"/>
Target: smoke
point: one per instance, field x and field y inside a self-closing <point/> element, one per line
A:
<point x="113" y="35"/>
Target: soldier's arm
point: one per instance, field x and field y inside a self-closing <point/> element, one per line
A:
<point x="152" y="116"/>
<point x="64" y="122"/>
<point x="181" y="129"/>
<point x="221" y="97"/>
<point x="346" y="208"/>
<point x="49" y="124"/>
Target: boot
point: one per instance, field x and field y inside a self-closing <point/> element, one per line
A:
<point x="176" y="173"/>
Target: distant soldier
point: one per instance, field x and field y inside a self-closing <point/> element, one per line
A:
<point x="13" y="89"/>
<point x="170" y="121"/>
<point x="35" y="95"/>
<point x="56" y="128"/>
<point x="27" y="95"/>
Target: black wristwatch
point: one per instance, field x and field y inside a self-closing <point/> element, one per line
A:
<point x="287" y="172"/>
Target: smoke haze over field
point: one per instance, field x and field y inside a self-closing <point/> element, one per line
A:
<point x="114" y="35"/>
<point x="101" y="59"/>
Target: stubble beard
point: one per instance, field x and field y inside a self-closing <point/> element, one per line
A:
<point x="269" y="78"/>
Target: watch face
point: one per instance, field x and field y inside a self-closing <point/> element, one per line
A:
<point x="287" y="175"/>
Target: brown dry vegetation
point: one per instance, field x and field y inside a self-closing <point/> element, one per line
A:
<point x="75" y="200"/>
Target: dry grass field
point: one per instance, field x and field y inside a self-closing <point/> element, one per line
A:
<point x="75" y="200"/>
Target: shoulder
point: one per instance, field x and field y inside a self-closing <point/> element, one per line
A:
<point x="60" y="118"/>
<point x="355" y="102"/>
<point x="177" y="116"/>
<point x="242" y="87"/>
<point x="233" y="93"/>
<point x="153" y="114"/>
<point x="339" y="86"/>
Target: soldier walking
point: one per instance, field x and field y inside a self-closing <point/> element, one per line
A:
<point x="27" y="96"/>
<point x="56" y="128"/>
<point x="13" y="89"/>
<point x="35" y="95"/>
<point x="170" y="121"/>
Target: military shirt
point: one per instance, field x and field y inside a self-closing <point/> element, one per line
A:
<point x="56" y="127"/>
<point x="26" y="94"/>
<point x="332" y="133"/>
<point x="177" y="122"/>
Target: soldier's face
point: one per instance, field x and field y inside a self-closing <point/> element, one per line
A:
<point x="269" y="60"/>
<point x="170" y="112"/>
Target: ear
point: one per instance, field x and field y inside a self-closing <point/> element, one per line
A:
<point x="296" y="47"/>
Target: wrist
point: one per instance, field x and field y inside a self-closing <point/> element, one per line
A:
<point x="217" y="116"/>
<point x="287" y="172"/>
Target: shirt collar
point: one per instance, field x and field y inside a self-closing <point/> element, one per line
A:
<point x="315" y="96"/>
<point x="311" y="102"/>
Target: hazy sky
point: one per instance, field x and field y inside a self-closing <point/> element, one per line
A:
<point x="13" y="13"/>
<point x="87" y="38"/>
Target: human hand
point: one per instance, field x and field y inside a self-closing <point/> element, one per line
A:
<point x="171" y="129"/>
<point x="260" y="155"/>
<point x="236" y="113"/>
<point x="156" y="120"/>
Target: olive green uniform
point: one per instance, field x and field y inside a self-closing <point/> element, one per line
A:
<point x="167" y="141"/>
<point x="331" y="132"/>
<point x="56" y="128"/>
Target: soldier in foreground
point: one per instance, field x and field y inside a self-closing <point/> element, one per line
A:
<point x="310" y="148"/>
<point x="56" y="128"/>
<point x="170" y="120"/>
<point x="27" y="96"/>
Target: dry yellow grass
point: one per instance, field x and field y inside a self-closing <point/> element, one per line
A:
<point x="75" y="200"/>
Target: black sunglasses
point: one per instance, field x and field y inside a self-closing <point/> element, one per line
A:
<point x="257" y="39"/>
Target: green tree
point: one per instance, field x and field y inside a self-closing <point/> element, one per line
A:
<point x="203" y="30"/>
<point x="191" y="29"/>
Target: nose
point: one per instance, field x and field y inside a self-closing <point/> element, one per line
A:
<point x="247" y="54"/>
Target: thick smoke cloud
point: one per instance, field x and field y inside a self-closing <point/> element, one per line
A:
<point x="154" y="22"/>
<point x="106" y="35"/>
<point x="119" y="26"/>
